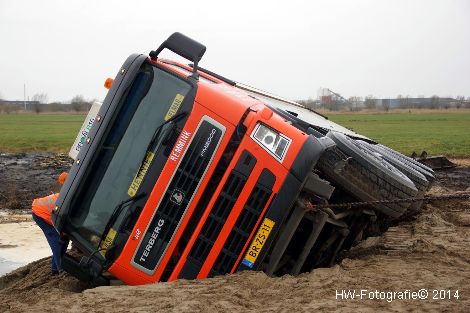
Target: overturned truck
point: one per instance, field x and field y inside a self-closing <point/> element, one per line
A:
<point x="188" y="174"/>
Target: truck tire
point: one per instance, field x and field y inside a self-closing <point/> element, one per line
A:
<point x="365" y="175"/>
<point x="414" y="175"/>
<point x="404" y="157"/>
<point x="411" y="160"/>
<point x="420" y="180"/>
<point x="423" y="169"/>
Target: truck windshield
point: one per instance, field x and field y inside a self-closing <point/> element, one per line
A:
<point x="153" y="98"/>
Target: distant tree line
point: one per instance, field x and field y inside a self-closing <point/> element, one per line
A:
<point x="370" y="102"/>
<point x="78" y="103"/>
<point x="39" y="103"/>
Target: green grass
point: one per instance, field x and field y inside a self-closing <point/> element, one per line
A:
<point x="38" y="132"/>
<point x="435" y="132"/>
<point x="439" y="132"/>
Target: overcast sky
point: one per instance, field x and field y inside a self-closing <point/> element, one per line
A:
<point x="290" y="48"/>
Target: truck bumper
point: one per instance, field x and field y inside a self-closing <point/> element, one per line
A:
<point x="86" y="270"/>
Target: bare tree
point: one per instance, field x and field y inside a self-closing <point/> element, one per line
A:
<point x="39" y="100"/>
<point x="335" y="104"/>
<point x="408" y="101"/>
<point x="77" y="103"/>
<point x="400" y="100"/>
<point x="37" y="107"/>
<point x="386" y="105"/>
<point x="355" y="103"/>
<point x="404" y="101"/>
<point x="350" y="104"/>
<point x="460" y="102"/>
<point x="7" y="108"/>
<point x="435" y="102"/>
<point x="40" y="97"/>
<point x="370" y="102"/>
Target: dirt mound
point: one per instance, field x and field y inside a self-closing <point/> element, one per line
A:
<point x="33" y="281"/>
<point x="429" y="251"/>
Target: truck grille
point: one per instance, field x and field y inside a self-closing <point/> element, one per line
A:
<point x="245" y="224"/>
<point x="206" y="196"/>
<point x="178" y="196"/>
<point x="218" y="216"/>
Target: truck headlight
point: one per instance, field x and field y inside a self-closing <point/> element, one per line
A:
<point x="271" y="140"/>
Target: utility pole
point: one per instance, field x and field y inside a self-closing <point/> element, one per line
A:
<point x="24" y="94"/>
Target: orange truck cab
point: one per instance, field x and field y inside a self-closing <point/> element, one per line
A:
<point x="183" y="175"/>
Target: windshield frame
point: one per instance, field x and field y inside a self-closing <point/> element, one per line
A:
<point x="157" y="163"/>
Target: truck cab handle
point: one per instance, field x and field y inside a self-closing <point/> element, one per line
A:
<point x="184" y="46"/>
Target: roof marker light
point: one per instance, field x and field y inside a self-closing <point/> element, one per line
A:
<point x="108" y="83"/>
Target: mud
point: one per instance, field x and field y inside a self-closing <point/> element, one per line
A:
<point x="430" y="250"/>
<point x="24" y="177"/>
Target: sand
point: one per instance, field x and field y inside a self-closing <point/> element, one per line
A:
<point x="428" y="251"/>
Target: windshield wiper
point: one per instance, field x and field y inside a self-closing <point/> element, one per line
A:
<point x="155" y="136"/>
<point x="116" y="213"/>
<point x="151" y="146"/>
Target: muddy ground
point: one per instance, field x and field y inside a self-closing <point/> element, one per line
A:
<point x="427" y="251"/>
<point x="24" y="177"/>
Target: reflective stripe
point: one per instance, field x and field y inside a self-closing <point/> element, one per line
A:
<point x="50" y="200"/>
<point x="43" y="207"/>
<point x="47" y="204"/>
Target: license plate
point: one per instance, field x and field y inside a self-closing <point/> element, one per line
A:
<point x="258" y="242"/>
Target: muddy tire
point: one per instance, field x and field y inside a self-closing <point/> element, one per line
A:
<point x="420" y="181"/>
<point x="366" y="176"/>
<point x="423" y="169"/>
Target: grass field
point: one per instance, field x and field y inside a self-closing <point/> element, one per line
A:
<point x="38" y="132"/>
<point x="439" y="132"/>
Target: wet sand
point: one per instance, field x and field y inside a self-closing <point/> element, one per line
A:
<point x="428" y="251"/>
<point x="20" y="244"/>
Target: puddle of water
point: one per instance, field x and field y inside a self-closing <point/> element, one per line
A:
<point x="8" y="266"/>
<point x="21" y="243"/>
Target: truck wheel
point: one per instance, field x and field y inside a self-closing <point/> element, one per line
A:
<point x="423" y="169"/>
<point x="365" y="175"/>
<point x="414" y="175"/>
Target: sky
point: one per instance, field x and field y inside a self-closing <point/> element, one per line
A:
<point x="289" y="48"/>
